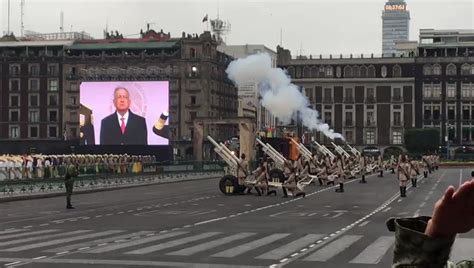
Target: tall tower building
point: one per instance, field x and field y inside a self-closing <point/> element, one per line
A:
<point x="396" y="25"/>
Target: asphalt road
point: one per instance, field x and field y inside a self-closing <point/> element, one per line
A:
<point x="191" y="224"/>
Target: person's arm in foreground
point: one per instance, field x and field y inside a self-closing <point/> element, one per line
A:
<point x="425" y="241"/>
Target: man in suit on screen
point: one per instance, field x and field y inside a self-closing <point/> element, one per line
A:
<point x="123" y="127"/>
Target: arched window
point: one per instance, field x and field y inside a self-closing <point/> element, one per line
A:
<point x="427" y="70"/>
<point x="291" y="71"/>
<point x="363" y="71"/>
<point x="314" y="71"/>
<point x="465" y="69"/>
<point x="355" y="71"/>
<point x="371" y="71"/>
<point x="338" y="71"/>
<point x="437" y="69"/>
<point x="383" y="71"/>
<point x="347" y="71"/>
<point x="321" y="71"/>
<point x="451" y="69"/>
<point x="306" y="72"/>
<point x="298" y="71"/>
<point x="397" y="71"/>
<point x="329" y="71"/>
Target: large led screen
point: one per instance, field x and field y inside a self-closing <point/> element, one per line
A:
<point x="124" y="113"/>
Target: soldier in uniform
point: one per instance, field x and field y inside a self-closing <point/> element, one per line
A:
<point x="242" y="172"/>
<point x="71" y="174"/>
<point x="363" y="168"/>
<point x="414" y="172"/>
<point x="427" y="241"/>
<point x="380" y="164"/>
<point x="403" y="169"/>
<point x="340" y="174"/>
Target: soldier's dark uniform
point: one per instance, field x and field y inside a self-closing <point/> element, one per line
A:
<point x="71" y="173"/>
<point x="415" y="249"/>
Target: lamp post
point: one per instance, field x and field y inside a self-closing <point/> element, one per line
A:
<point x="446" y="138"/>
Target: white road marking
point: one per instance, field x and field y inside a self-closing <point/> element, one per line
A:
<point x="375" y="251"/>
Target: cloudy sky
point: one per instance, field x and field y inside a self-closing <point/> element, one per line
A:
<point x="307" y="26"/>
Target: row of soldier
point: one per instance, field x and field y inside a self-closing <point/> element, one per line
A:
<point x="15" y="167"/>
<point x="329" y="170"/>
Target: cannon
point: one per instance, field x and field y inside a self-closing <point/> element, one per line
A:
<point x="324" y="149"/>
<point x="340" y="150"/>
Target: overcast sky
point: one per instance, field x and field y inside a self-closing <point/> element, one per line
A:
<point x="311" y="26"/>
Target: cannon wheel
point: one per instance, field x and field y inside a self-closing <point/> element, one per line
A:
<point x="276" y="173"/>
<point x="229" y="185"/>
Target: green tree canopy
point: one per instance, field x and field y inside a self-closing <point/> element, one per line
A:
<point x="422" y="140"/>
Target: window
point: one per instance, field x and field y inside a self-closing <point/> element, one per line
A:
<point x="451" y="69"/>
<point x="370" y="117"/>
<point x="370" y="94"/>
<point x="329" y="71"/>
<point x="338" y="71"/>
<point x="466" y="112"/>
<point x="52" y="115"/>
<point x="14" y="84"/>
<point x="14" y="115"/>
<point x="371" y="71"/>
<point x="397" y="71"/>
<point x="347" y="71"/>
<point x="53" y="70"/>
<point x="73" y="132"/>
<point x="397" y="137"/>
<point x="436" y="112"/>
<point x="73" y="86"/>
<point x="192" y="52"/>
<point x="73" y="100"/>
<point x="397" y="94"/>
<point x="348" y="96"/>
<point x="451" y="90"/>
<point x="328" y="117"/>
<point x="14" y="131"/>
<point x="192" y="115"/>
<point x="14" y="100"/>
<point x="321" y="71"/>
<point x="33" y="116"/>
<point x="437" y="90"/>
<point x="33" y="84"/>
<point x="33" y="69"/>
<point x="370" y="137"/>
<point x="33" y="131"/>
<point x="363" y="71"/>
<point x="383" y="71"/>
<point x="52" y="131"/>
<point x="193" y="99"/>
<point x="306" y="72"/>
<point x="427" y="90"/>
<point x="53" y="99"/>
<point x="349" y="121"/>
<point x="33" y="100"/>
<point x="451" y="112"/>
<point x="53" y="85"/>
<point x="397" y="118"/>
<point x="349" y="135"/>
<point x="427" y="70"/>
<point x="465" y="69"/>
<point x="327" y="94"/>
<point x="291" y="71"/>
<point x="437" y="69"/>
<point x="14" y="70"/>
<point x="356" y="71"/>
<point x="465" y="90"/>
<point x="427" y="112"/>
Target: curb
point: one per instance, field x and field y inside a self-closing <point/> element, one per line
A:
<point x="104" y="189"/>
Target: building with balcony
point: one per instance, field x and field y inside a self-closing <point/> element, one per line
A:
<point x="369" y="100"/>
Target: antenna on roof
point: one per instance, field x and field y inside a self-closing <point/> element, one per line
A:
<point x="22" y="5"/>
<point x="61" y="22"/>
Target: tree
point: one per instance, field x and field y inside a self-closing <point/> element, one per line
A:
<point x="422" y="140"/>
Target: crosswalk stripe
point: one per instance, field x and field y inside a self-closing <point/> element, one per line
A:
<point x="249" y="246"/>
<point x="135" y="242"/>
<point x="287" y="249"/>
<point x="61" y="241"/>
<point x="173" y="243"/>
<point x="333" y="248"/>
<point x="212" y="244"/>
<point x="463" y="249"/>
<point x="96" y="242"/>
<point x="11" y="231"/>
<point x="30" y="239"/>
<point x="375" y="251"/>
<point x="27" y="234"/>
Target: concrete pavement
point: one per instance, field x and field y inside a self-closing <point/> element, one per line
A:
<point x="192" y="224"/>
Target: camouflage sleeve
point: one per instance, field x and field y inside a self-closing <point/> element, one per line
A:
<point x="415" y="249"/>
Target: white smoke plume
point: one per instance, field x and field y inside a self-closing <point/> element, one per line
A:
<point x="279" y="95"/>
